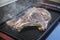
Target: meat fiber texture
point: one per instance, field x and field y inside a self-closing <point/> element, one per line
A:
<point x="39" y="17"/>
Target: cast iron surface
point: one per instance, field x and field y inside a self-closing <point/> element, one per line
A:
<point x="30" y="33"/>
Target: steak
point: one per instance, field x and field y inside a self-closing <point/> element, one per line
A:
<point x="39" y="17"/>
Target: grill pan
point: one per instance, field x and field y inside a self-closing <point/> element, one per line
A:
<point x="30" y="33"/>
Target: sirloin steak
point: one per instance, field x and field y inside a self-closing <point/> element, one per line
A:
<point x="39" y="17"/>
